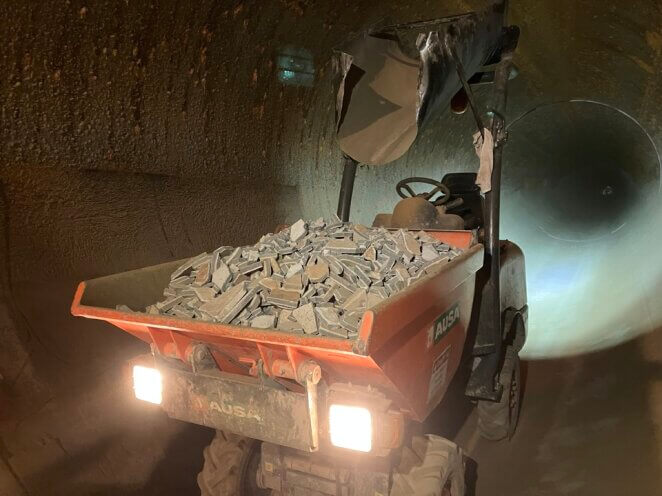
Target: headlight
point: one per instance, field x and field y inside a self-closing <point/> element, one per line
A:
<point x="147" y="384"/>
<point x="350" y="427"/>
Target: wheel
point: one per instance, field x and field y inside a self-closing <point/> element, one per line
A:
<point x="432" y="466"/>
<point x="498" y="420"/>
<point x="230" y="467"/>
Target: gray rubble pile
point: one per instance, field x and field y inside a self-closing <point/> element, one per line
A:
<point x="315" y="278"/>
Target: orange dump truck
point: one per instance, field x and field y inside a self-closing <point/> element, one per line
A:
<point x="303" y="414"/>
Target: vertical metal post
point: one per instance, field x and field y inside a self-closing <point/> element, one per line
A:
<point x="492" y="291"/>
<point x="346" y="188"/>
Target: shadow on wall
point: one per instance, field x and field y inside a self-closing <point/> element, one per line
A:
<point x="582" y="197"/>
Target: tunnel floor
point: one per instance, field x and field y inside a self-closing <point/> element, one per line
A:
<point x="590" y="424"/>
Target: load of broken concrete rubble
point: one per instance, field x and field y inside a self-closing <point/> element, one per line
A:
<point x="313" y="278"/>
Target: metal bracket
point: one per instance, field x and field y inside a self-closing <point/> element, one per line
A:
<point x="201" y="359"/>
<point x="310" y="374"/>
<point x="498" y="128"/>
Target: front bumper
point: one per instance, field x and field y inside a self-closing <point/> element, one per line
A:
<point x="238" y="404"/>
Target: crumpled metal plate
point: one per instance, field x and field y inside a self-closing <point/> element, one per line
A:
<point x="391" y="83"/>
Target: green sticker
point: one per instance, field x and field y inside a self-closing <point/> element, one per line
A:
<point x="446" y="322"/>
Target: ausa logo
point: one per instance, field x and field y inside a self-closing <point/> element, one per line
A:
<point x="234" y="410"/>
<point x="444" y="324"/>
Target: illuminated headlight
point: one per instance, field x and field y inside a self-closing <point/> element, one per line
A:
<point x="147" y="384"/>
<point x="350" y="427"/>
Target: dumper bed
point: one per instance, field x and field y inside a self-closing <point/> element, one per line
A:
<point x="423" y="324"/>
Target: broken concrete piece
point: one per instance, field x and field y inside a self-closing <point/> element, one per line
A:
<point x="356" y="301"/>
<point x="429" y="253"/>
<point x="180" y="311"/>
<point x="203" y="274"/>
<point x="298" y="230"/>
<point x="318" y="272"/>
<point x="342" y="282"/>
<point x="181" y="282"/>
<point x="350" y="321"/>
<point x="394" y="285"/>
<point x="187" y="266"/>
<point x="252" y="255"/>
<point x="255" y="303"/>
<point x="361" y="278"/>
<point x="269" y="283"/>
<point x="152" y="310"/>
<point x="411" y="245"/>
<point x="283" y="298"/>
<point x="223" y="302"/>
<point x="232" y="310"/>
<point x="205" y="294"/>
<point x="286" y="315"/>
<point x="170" y="303"/>
<point x="328" y="316"/>
<point x="424" y="237"/>
<point x="373" y="298"/>
<point x="338" y="332"/>
<point x="363" y="230"/>
<point x="318" y="223"/>
<point x="287" y="323"/>
<point x="221" y="276"/>
<point x="370" y="254"/>
<point x="342" y="245"/>
<point x="402" y="272"/>
<point x="249" y="267"/>
<point x="305" y="316"/>
<point x="341" y="294"/>
<point x="294" y="282"/>
<point x="264" y="322"/>
<point x="335" y="266"/>
<point x="293" y="270"/>
<point x="217" y="255"/>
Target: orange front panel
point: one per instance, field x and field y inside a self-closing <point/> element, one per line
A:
<point x="409" y="358"/>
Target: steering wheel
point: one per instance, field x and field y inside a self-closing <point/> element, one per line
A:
<point x="404" y="190"/>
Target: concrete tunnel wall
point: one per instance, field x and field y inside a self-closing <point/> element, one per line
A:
<point x="134" y="133"/>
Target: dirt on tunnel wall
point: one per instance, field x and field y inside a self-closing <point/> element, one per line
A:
<point x="134" y="132"/>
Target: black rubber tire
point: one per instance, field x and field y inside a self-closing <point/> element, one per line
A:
<point x="431" y="466"/>
<point x="498" y="420"/>
<point x="230" y="467"/>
